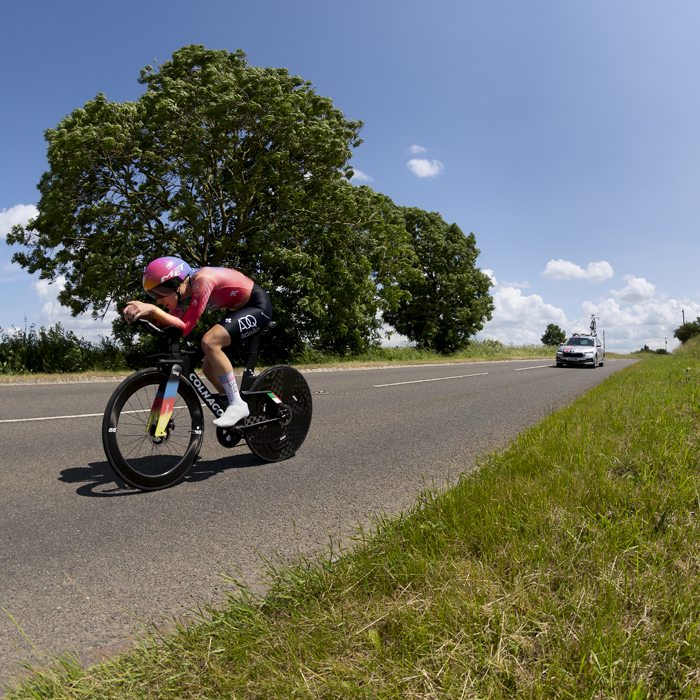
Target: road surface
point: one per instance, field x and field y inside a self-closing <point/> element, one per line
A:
<point x="82" y="560"/>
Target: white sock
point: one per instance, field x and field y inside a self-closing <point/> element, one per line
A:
<point x="228" y="381"/>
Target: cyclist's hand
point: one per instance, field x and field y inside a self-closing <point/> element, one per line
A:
<point x="135" y="310"/>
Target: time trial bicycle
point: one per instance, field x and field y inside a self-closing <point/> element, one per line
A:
<point x="153" y="426"/>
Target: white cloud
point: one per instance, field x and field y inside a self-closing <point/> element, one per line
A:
<point x="520" y="319"/>
<point x="48" y="291"/>
<point x="389" y="338"/>
<point x="19" y="214"/>
<point x="628" y="328"/>
<point x="630" y="319"/>
<point x="424" y="168"/>
<point x="52" y="312"/>
<point x="360" y="176"/>
<point x="634" y="317"/>
<point x="518" y="285"/>
<point x="637" y="290"/>
<point x="415" y="150"/>
<point x="565" y="270"/>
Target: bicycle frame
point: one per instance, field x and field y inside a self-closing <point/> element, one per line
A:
<point x="177" y="368"/>
<point x="155" y="448"/>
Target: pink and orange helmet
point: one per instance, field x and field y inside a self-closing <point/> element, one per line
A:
<point x="163" y="275"/>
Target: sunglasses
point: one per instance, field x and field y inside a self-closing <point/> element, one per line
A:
<point x="160" y="292"/>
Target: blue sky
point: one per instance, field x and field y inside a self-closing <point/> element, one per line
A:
<point x="565" y="135"/>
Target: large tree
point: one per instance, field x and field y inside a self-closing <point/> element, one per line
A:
<point x="220" y="163"/>
<point x="553" y="335"/>
<point x="447" y="299"/>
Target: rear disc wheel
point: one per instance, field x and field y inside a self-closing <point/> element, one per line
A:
<point x="281" y="393"/>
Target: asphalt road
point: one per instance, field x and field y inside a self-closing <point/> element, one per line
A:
<point x="82" y="560"/>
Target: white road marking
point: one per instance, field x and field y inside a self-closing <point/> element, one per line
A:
<point x="437" y="379"/>
<point x="82" y="415"/>
<point x="522" y="369"/>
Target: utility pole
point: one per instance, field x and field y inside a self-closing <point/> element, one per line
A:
<point x="683" y="312"/>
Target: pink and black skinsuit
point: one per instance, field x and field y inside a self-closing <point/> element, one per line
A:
<point x="248" y="308"/>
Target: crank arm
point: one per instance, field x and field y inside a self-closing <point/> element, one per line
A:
<point x="254" y="426"/>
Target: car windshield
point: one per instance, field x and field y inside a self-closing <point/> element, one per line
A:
<point x="580" y="341"/>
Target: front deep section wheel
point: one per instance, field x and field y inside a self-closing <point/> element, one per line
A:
<point x="282" y="395"/>
<point x="139" y="457"/>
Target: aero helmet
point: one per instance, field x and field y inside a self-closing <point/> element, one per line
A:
<point x="163" y="275"/>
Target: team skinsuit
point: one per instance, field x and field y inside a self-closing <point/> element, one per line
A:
<point x="220" y="288"/>
<point x="248" y="311"/>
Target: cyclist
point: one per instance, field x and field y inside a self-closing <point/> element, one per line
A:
<point x="171" y="281"/>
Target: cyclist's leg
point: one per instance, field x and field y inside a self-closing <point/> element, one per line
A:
<point x="216" y="362"/>
<point x="218" y="369"/>
<point x="234" y="326"/>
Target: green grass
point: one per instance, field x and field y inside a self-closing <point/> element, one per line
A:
<point x="476" y="350"/>
<point x="487" y="350"/>
<point x="565" y="567"/>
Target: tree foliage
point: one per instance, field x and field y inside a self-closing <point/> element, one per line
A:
<point x="553" y="335"/>
<point x="687" y="330"/>
<point x="220" y="163"/>
<point x="447" y="298"/>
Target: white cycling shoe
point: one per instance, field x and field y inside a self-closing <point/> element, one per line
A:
<point x="231" y="416"/>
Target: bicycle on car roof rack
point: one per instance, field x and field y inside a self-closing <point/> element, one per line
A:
<point x="153" y="426"/>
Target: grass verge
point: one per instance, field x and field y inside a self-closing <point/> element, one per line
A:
<point x="565" y="567"/>
<point x="477" y="351"/>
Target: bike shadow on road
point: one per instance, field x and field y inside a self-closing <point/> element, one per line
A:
<point x="97" y="480"/>
<point x="206" y="468"/>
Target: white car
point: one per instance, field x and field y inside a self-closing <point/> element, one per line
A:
<point x="581" y="349"/>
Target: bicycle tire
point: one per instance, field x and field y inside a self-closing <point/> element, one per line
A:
<point x="136" y="455"/>
<point x="275" y="442"/>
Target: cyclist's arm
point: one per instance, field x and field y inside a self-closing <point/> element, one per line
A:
<point x="202" y="287"/>
<point x="163" y="318"/>
<point x="136" y="310"/>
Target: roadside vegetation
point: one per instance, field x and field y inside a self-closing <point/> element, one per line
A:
<point x="37" y="353"/>
<point x="476" y="350"/>
<point x="56" y="351"/>
<point x="565" y="566"/>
